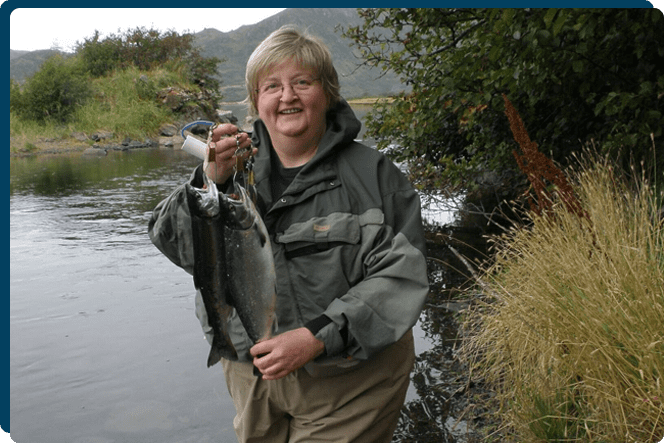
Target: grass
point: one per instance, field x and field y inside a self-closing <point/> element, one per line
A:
<point x="571" y="333"/>
<point x="123" y="104"/>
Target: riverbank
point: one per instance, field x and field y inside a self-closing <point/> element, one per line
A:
<point x="76" y="141"/>
<point x="370" y="100"/>
<point x="50" y="146"/>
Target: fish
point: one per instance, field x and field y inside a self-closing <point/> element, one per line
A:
<point x="233" y="264"/>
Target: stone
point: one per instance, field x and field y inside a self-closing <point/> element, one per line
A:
<point x="226" y="117"/>
<point x="80" y="136"/>
<point x="168" y="130"/>
<point x="95" y="151"/>
<point x="101" y="135"/>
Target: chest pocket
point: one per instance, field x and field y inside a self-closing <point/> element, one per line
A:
<point x="320" y="234"/>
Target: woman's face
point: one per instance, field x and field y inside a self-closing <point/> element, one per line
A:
<point x="292" y="104"/>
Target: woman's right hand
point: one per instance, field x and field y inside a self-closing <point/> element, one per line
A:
<point x="225" y="144"/>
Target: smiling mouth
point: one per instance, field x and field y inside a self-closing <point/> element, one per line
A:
<point x="290" y="111"/>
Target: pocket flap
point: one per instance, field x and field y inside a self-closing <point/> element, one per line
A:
<point x="321" y="232"/>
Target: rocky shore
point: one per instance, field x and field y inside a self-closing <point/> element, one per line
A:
<point x="101" y="142"/>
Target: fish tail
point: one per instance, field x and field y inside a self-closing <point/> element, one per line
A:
<point x="219" y="350"/>
<point x="215" y="354"/>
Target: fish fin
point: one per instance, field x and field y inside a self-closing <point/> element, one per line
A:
<point x="261" y="235"/>
<point x="217" y="352"/>
<point x="215" y="355"/>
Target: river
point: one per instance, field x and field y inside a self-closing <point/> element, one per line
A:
<point x="104" y="343"/>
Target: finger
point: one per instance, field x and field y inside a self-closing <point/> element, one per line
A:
<point x="222" y="151"/>
<point x="260" y="350"/>
<point x="229" y="144"/>
<point x="222" y="130"/>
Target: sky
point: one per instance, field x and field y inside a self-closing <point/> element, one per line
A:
<point x="45" y="28"/>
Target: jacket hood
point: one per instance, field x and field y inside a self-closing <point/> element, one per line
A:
<point x="342" y="128"/>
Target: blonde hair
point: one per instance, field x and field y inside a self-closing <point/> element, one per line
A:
<point x="289" y="43"/>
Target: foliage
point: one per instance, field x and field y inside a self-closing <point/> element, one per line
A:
<point x="119" y="84"/>
<point x="570" y="330"/>
<point x="53" y="92"/>
<point x="122" y="107"/>
<point x="146" y="49"/>
<point x="573" y="74"/>
<point x="14" y="94"/>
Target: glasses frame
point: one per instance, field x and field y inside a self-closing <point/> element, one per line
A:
<point x="280" y="87"/>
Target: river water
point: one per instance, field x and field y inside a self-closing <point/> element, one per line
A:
<point x="104" y="343"/>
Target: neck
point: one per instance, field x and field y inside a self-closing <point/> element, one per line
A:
<point x="294" y="156"/>
<point x="295" y="151"/>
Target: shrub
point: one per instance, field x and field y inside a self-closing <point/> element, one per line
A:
<point x="53" y="92"/>
<point x="14" y="95"/>
<point x="147" y="49"/>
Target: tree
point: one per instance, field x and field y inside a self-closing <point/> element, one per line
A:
<point x="574" y="75"/>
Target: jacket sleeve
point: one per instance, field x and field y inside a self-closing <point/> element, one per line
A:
<point x="169" y="228"/>
<point x="387" y="302"/>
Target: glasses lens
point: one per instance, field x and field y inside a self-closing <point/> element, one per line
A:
<point x="300" y="84"/>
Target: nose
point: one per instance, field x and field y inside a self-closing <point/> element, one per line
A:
<point x="288" y="93"/>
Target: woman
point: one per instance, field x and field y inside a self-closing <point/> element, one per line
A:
<point x="349" y="256"/>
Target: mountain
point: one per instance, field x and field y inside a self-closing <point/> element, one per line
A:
<point x="22" y="64"/>
<point x="14" y="54"/>
<point x="236" y="46"/>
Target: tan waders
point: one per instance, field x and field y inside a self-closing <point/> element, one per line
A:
<point x="361" y="405"/>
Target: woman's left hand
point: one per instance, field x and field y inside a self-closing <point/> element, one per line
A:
<point x="284" y="353"/>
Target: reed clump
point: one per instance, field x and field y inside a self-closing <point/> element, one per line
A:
<point x="571" y="334"/>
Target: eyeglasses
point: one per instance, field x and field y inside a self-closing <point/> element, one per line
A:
<point x="299" y="84"/>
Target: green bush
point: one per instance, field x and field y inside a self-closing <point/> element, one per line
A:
<point x="574" y="74"/>
<point x="99" y="57"/>
<point x="14" y="95"/>
<point x="147" y="49"/>
<point x="53" y="92"/>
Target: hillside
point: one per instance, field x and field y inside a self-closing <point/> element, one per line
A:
<point x="236" y="46"/>
<point x="22" y="64"/>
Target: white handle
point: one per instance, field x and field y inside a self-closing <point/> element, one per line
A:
<point x="195" y="147"/>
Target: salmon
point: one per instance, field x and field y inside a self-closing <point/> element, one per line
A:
<point x="233" y="265"/>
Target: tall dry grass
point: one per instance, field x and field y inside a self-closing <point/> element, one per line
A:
<point x="571" y="334"/>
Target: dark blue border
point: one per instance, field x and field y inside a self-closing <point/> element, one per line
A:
<point x="9" y="6"/>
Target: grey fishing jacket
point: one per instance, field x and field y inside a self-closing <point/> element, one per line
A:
<point x="347" y="240"/>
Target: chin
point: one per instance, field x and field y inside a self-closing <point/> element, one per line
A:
<point x="291" y="131"/>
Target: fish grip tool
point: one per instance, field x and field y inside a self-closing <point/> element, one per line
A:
<point x="242" y="167"/>
<point x="245" y="168"/>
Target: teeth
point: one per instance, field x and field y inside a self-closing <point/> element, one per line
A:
<point x="290" y="111"/>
